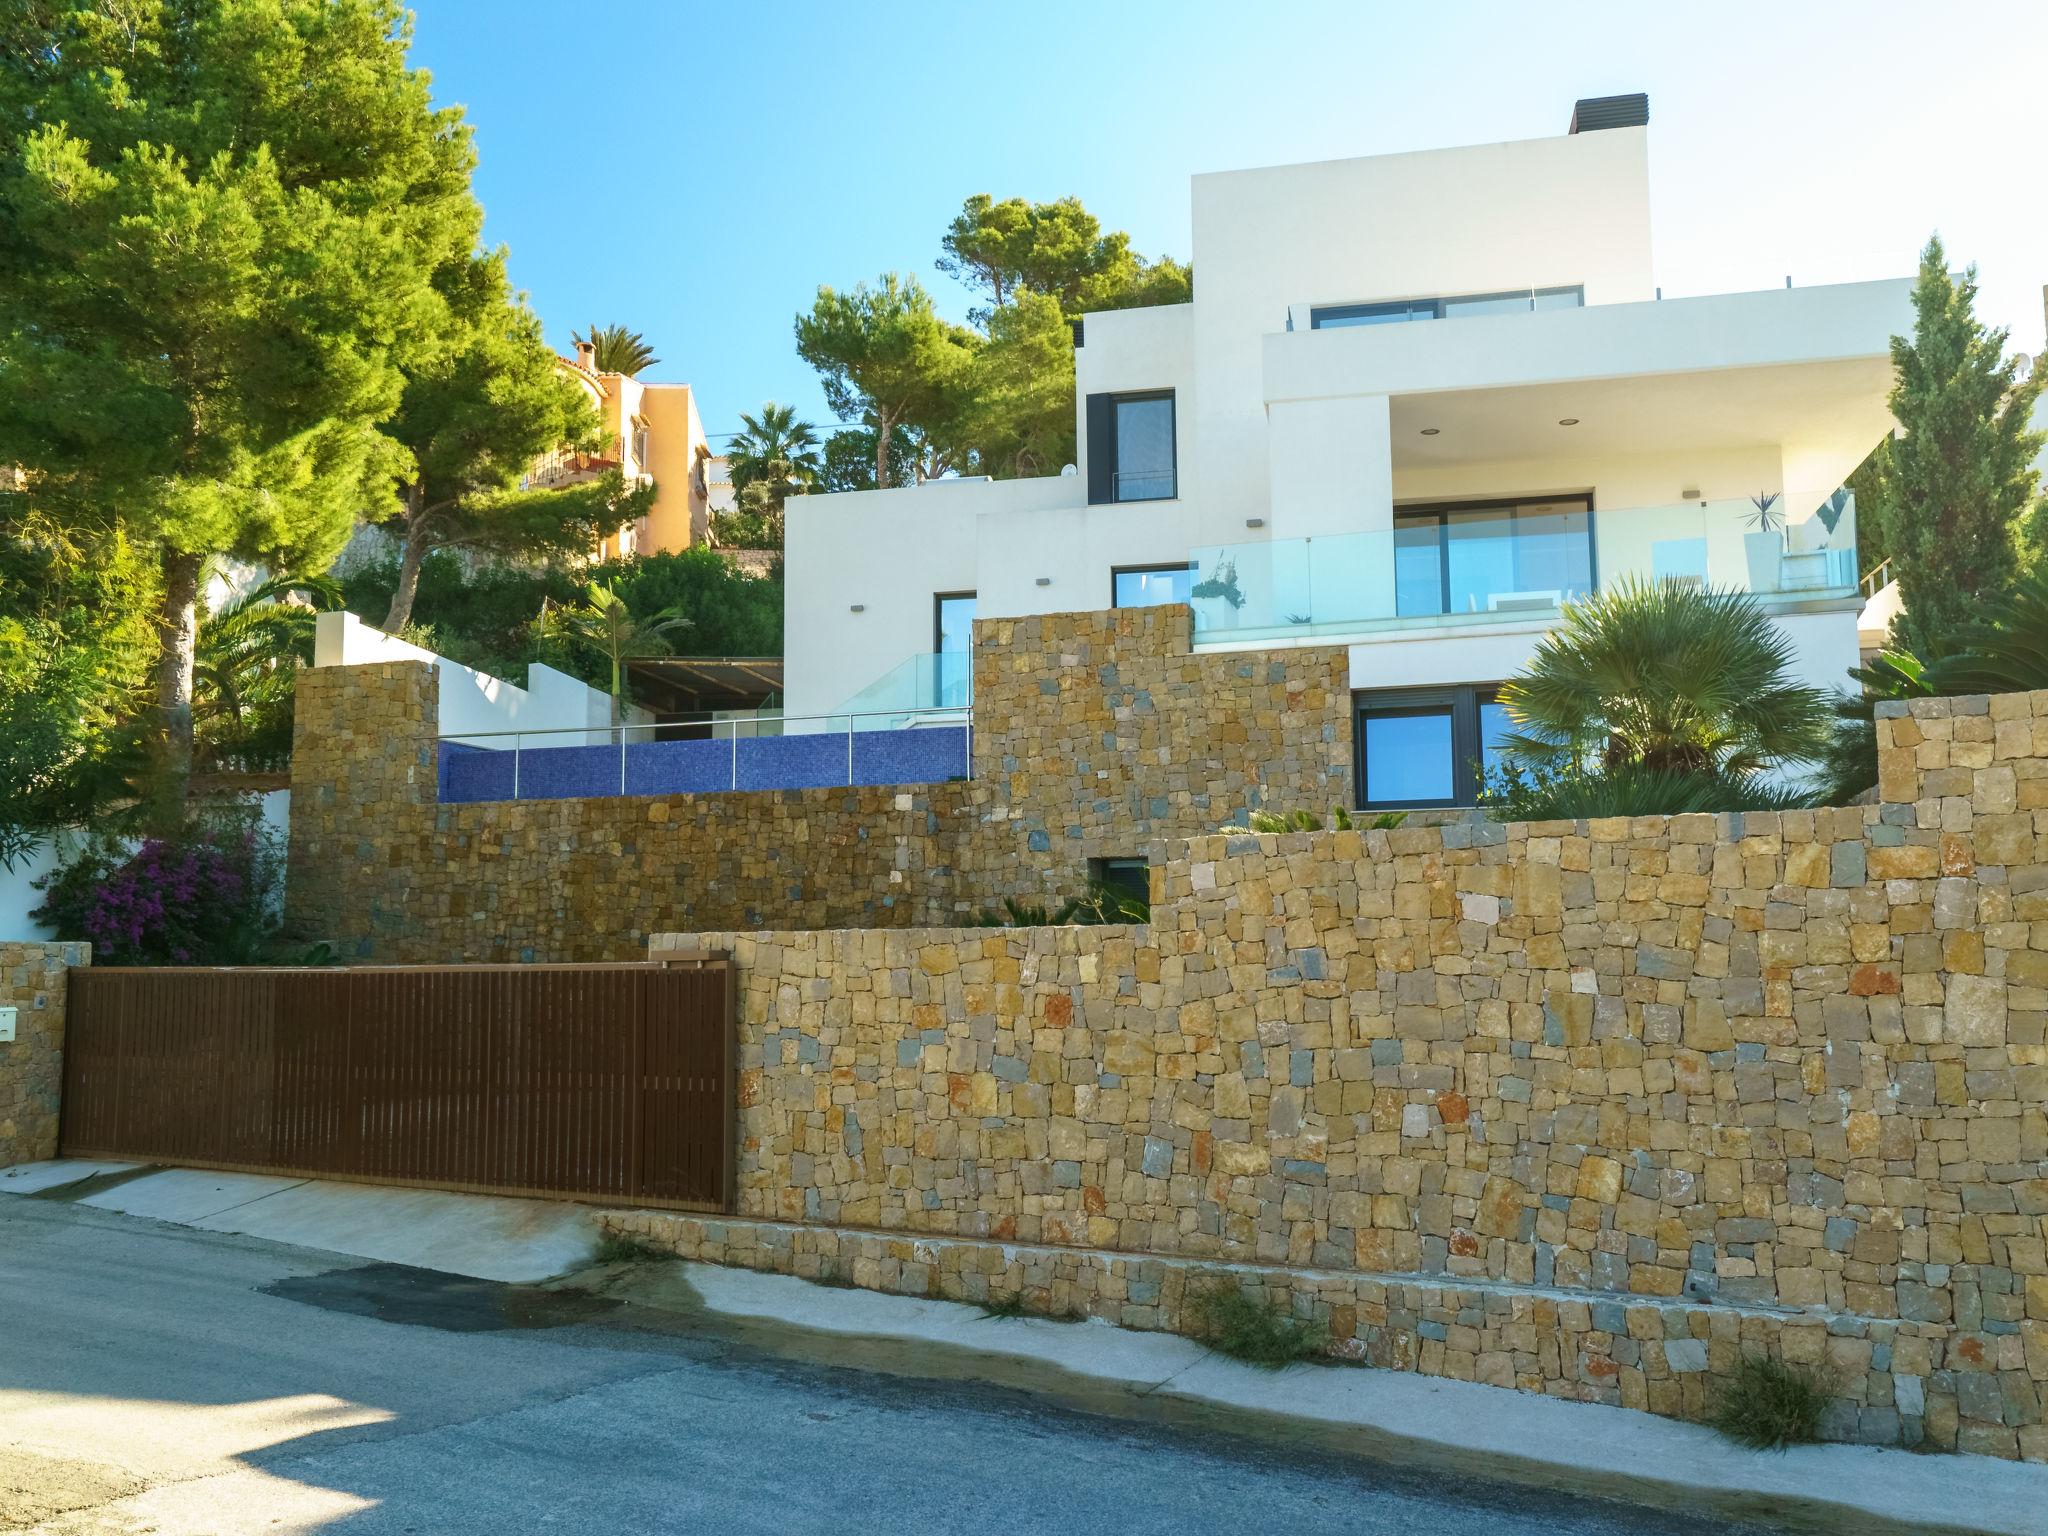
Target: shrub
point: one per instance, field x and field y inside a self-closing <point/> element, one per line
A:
<point x="1100" y="904"/>
<point x="1769" y="1404"/>
<point x="1309" y="821"/>
<point x="1517" y="793"/>
<point x="202" y="897"/>
<point x="1229" y="1320"/>
<point x="617" y="1248"/>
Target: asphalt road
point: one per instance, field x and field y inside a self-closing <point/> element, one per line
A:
<point x="160" y="1379"/>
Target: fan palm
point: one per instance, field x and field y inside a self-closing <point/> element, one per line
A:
<point x="776" y="451"/>
<point x="618" y="349"/>
<point x="245" y="669"/>
<point x="1666" y="677"/>
<point x="603" y="625"/>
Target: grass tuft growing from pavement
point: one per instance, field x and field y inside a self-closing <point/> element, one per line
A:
<point x="1769" y="1404"/>
<point x="1227" y="1319"/>
<point x="617" y="1248"/>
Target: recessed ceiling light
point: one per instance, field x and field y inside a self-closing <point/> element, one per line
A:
<point x="1431" y="431"/>
<point x="1567" y="421"/>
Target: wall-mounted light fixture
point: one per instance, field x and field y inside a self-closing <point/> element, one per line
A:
<point x="1045" y="581"/>
<point x="1689" y="493"/>
<point x="1567" y="421"/>
<point x="1255" y="522"/>
<point x="1431" y="431"/>
<point x="858" y="608"/>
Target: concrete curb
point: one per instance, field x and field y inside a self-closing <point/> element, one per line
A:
<point x="1591" y="1447"/>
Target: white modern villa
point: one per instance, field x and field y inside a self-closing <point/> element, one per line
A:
<point x="1418" y="402"/>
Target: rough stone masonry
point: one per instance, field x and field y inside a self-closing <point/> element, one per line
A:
<point x="1096" y="735"/>
<point x="1584" y="1108"/>
<point x="33" y="983"/>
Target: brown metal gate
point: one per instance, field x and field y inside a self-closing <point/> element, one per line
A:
<point x="603" y="1082"/>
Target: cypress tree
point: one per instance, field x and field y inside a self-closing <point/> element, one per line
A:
<point x="1961" y="475"/>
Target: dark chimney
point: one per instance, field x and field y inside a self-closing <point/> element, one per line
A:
<point x="1592" y="113"/>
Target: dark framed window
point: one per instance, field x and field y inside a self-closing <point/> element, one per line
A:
<point x="1424" y="748"/>
<point x="1150" y="586"/>
<point x="952" y="649"/>
<point x="1521" y="555"/>
<point x="1329" y="317"/>
<point x="1131" y="876"/>
<point x="1131" y="447"/>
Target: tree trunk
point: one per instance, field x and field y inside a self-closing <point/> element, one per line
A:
<point x="883" y="426"/>
<point x="178" y="642"/>
<point x="412" y="554"/>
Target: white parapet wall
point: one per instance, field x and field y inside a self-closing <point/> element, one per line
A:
<point x="476" y="706"/>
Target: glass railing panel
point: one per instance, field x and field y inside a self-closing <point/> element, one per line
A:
<point x="1486" y="566"/>
<point x="932" y="680"/>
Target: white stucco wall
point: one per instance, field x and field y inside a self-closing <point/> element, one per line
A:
<point x="1284" y="435"/>
<point x="474" y="702"/>
<point x="19" y="897"/>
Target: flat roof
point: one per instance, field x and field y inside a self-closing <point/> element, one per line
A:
<point x="688" y="685"/>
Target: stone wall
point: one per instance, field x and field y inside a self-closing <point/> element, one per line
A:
<point x="1095" y="735"/>
<point x="1588" y="1108"/>
<point x="32" y="982"/>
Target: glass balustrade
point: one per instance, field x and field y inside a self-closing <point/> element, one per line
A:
<point x="1461" y="566"/>
<point x="935" y="680"/>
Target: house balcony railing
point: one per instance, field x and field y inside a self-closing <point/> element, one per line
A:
<point x="938" y="681"/>
<point x="710" y="757"/>
<point x="568" y="466"/>
<point x="1467" y="570"/>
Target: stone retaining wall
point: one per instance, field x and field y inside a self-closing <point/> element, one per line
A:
<point x="1723" y="1076"/>
<point x="32" y="982"/>
<point x="1096" y="735"/>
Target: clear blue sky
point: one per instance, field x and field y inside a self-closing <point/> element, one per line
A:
<point x="696" y="170"/>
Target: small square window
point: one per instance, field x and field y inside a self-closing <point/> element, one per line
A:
<point x="1150" y="586"/>
<point x="1127" y="876"/>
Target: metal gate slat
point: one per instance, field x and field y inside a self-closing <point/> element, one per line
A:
<point x="600" y="1082"/>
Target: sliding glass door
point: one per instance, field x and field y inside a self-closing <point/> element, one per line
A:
<point x="1492" y="557"/>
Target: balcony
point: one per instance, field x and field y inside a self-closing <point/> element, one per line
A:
<point x="1469" y="567"/>
<point x="568" y="466"/>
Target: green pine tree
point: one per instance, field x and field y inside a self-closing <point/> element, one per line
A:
<point x="219" y="224"/>
<point x="1960" y="477"/>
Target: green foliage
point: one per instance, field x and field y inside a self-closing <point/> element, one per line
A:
<point x="1309" y="821"/>
<point x="1223" y="1315"/>
<point x="1769" y="1404"/>
<point x="2002" y="649"/>
<point x="997" y="398"/>
<point x="202" y="895"/>
<point x="483" y="400"/>
<point x="246" y="673"/>
<point x="75" y="638"/>
<point x="775" y="451"/>
<point x="618" y="349"/>
<point x="773" y="457"/>
<point x="1220" y="583"/>
<point x="617" y="1248"/>
<point x="1562" y="792"/>
<point x="849" y="459"/>
<point x="1099" y="904"/>
<point x="1960" y="477"/>
<point x="1000" y="250"/>
<point x="1666" y="677"/>
<point x="219" y="223"/>
<point x="605" y="625"/>
<point x="886" y="356"/>
<point x="485" y="617"/>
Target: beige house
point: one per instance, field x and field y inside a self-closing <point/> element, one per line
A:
<point x="655" y="434"/>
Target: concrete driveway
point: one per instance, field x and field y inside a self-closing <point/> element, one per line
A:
<point x="162" y="1379"/>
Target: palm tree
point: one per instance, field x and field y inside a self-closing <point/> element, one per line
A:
<point x="1665" y="678"/>
<point x="776" y="451"/>
<point x="618" y="349"/>
<point x="605" y="626"/>
<point x="245" y="669"/>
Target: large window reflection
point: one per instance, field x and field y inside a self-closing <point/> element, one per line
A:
<point x="1492" y="559"/>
